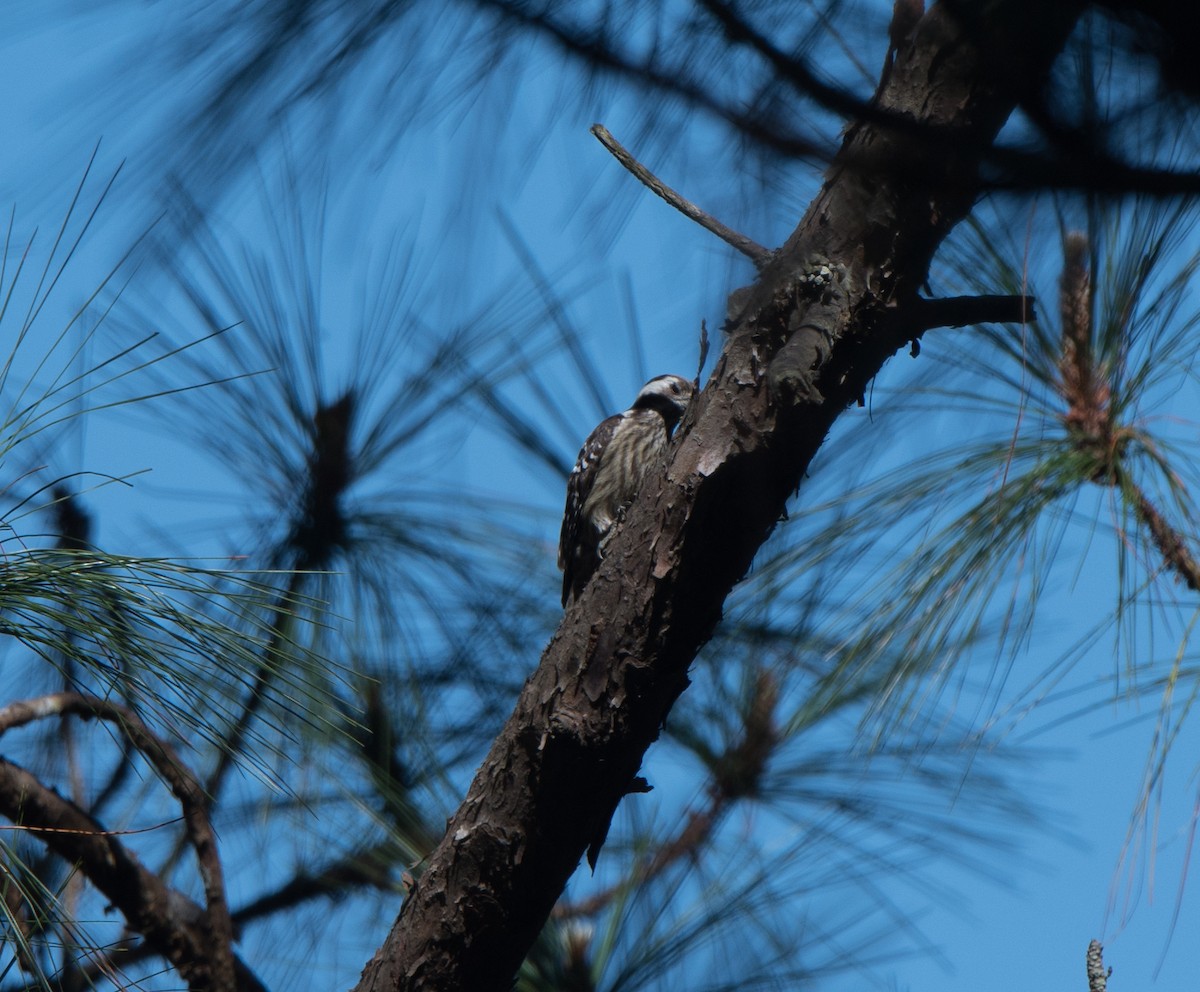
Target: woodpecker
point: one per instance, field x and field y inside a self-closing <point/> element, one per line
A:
<point x="612" y="467"/>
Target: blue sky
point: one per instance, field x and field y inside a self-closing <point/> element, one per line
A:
<point x="617" y="252"/>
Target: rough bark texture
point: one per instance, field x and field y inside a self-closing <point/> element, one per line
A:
<point x="803" y="343"/>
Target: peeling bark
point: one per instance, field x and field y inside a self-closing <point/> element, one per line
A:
<point x="803" y="342"/>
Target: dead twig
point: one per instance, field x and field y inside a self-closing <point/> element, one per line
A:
<point x="748" y="247"/>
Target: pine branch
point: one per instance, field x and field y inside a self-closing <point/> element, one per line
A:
<point x="1085" y="388"/>
<point x="965" y="311"/>
<point x="574" y="744"/>
<point x="183" y="785"/>
<point x="174" y="925"/>
<point x="747" y="246"/>
<point x="1169" y="542"/>
<point x="264" y="674"/>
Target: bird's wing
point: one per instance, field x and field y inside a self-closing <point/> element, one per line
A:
<point x="579" y="487"/>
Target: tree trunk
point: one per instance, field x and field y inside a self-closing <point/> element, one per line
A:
<point x="803" y="342"/>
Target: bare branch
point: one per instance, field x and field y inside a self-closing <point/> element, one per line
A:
<point x="174" y="925"/>
<point x="183" y="785"/>
<point x="964" y="311"/>
<point x="370" y="867"/>
<point x="912" y="319"/>
<point x="751" y="249"/>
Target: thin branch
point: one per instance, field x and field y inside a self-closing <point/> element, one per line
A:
<point x="183" y="785"/>
<point x="759" y="255"/>
<point x="368" y="868"/>
<point x="171" y="922"/>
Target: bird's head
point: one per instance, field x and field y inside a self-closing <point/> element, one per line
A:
<point x="668" y="394"/>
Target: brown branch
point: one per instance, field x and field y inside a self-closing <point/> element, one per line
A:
<point x="910" y="320"/>
<point x="368" y="868"/>
<point x="1084" y="384"/>
<point x="174" y="925"/>
<point x="748" y="247"/>
<point x="1170" y="543"/>
<point x="1103" y="449"/>
<point x="574" y="745"/>
<point x="964" y="311"/>
<point x="183" y="785"/>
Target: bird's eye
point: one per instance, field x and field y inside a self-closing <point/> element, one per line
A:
<point x="675" y="388"/>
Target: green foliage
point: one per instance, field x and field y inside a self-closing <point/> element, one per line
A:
<point x="334" y="680"/>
